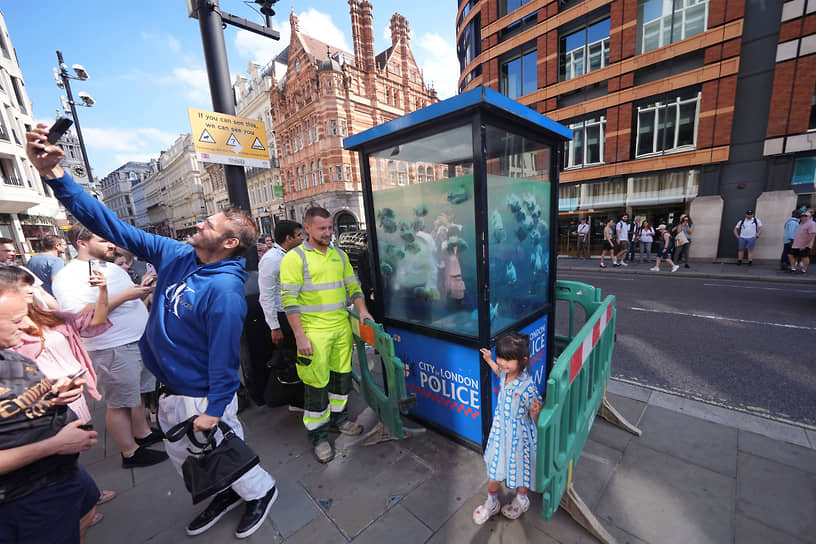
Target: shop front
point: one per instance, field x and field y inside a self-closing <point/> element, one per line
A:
<point x="658" y="198"/>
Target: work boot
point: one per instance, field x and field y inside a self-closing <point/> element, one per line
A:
<point x="350" y="428"/>
<point x="324" y="452"/>
<point x="220" y="505"/>
<point x="255" y="514"/>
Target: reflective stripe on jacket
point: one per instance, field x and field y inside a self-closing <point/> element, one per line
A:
<point x="319" y="287"/>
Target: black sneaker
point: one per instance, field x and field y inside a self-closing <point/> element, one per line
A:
<point x="143" y="457"/>
<point x="154" y="437"/>
<point x="739" y="262"/>
<point x="255" y="514"/>
<point x="686" y="265"/>
<point x="750" y="263"/>
<point x="220" y="505"/>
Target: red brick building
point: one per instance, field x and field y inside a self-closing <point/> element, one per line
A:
<point x="327" y="94"/>
<point x="676" y="105"/>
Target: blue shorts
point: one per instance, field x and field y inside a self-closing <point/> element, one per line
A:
<point x="51" y="514"/>
<point x="664" y="253"/>
<point x="747" y="243"/>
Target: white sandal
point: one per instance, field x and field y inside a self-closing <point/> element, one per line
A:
<point x="483" y="513"/>
<point x="516" y="508"/>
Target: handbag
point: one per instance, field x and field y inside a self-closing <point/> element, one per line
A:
<point x="215" y="467"/>
<point x="681" y="238"/>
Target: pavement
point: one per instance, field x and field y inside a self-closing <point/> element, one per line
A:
<point x="698" y="474"/>
<point x="759" y="271"/>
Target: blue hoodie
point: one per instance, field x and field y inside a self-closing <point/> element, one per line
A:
<point x="192" y="339"/>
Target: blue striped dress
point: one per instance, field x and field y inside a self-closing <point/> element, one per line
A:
<point x="511" y="448"/>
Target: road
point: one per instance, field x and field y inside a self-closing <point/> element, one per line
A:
<point x="741" y="344"/>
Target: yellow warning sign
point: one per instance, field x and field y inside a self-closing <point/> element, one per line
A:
<point x="226" y="139"/>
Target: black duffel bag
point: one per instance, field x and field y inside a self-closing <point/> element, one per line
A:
<point x="283" y="386"/>
<point x="215" y="467"/>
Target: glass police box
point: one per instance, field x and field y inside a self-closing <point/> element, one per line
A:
<point x="460" y="201"/>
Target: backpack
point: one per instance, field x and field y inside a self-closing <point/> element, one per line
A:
<point x="739" y="225"/>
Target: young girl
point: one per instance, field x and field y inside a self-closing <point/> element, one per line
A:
<point x="511" y="448"/>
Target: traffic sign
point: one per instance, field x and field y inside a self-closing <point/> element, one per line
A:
<point x="226" y="139"/>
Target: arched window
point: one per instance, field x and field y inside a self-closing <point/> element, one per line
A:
<point x="429" y="173"/>
<point x="392" y="173"/>
<point x="345" y="222"/>
<point x="420" y="174"/>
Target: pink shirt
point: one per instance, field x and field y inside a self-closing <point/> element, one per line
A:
<point x="803" y="235"/>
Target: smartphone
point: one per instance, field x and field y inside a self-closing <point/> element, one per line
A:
<point x="86" y="427"/>
<point x="59" y="128"/>
<point x="90" y="268"/>
<point x="77" y="374"/>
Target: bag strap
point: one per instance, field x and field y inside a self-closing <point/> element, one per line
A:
<point x="185" y="428"/>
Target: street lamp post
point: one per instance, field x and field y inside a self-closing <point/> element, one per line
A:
<point x="64" y="80"/>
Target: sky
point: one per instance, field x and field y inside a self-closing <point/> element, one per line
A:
<point x="146" y="62"/>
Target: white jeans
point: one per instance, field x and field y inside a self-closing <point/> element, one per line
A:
<point x="174" y="409"/>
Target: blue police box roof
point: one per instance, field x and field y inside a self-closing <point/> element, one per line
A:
<point x="479" y="95"/>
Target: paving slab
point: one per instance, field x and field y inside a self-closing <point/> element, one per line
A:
<point x="109" y="474"/>
<point x="457" y="473"/>
<point x="732" y="418"/>
<point x="593" y="471"/>
<point x="750" y="531"/>
<point x="811" y="435"/>
<point x="660" y="498"/>
<point x="319" y="531"/>
<point x="355" y="489"/>
<point x="294" y="508"/>
<point x="782" y="452"/>
<point x="612" y="436"/>
<point x="780" y="496"/>
<point x="460" y="529"/>
<point x="704" y="443"/>
<point x="397" y="526"/>
<point x="623" y="389"/>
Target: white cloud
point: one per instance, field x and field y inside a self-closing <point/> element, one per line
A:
<point x="137" y="141"/>
<point x="168" y="41"/>
<point x="192" y="81"/>
<point x="437" y="58"/>
<point x="313" y="23"/>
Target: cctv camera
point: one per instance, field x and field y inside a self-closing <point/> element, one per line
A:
<point x="80" y="71"/>
<point x="88" y="99"/>
<point x="66" y="106"/>
<point x="57" y="79"/>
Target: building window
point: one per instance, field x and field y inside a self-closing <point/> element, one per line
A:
<point x="339" y="173"/>
<point x="333" y="127"/>
<point x="429" y="174"/>
<point x="812" y="124"/>
<point x="343" y="123"/>
<point x="661" y="22"/>
<point x="587" y="145"/>
<point x="585" y="50"/>
<point x="667" y="126"/>
<point x="347" y="168"/>
<point x="315" y="134"/>
<point x="470" y="44"/>
<point x="420" y="175"/>
<point x="506" y="6"/>
<point x="308" y="137"/>
<point x="392" y="173"/>
<point x="518" y="75"/>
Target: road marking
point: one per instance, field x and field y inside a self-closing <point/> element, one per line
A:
<point x="604" y="275"/>
<point x="721" y="318"/>
<point x="755" y="287"/>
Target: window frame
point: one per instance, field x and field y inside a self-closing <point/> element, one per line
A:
<point x="520" y="54"/>
<point x="671" y="19"/>
<point x="565" y="65"/>
<point x="657" y="106"/>
<point x="569" y="146"/>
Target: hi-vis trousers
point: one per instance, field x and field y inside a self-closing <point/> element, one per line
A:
<point x="326" y="381"/>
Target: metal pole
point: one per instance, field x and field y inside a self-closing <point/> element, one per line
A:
<point x="215" y="56"/>
<point x="67" y="82"/>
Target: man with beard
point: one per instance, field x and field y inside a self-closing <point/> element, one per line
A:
<point x="122" y="377"/>
<point x="192" y="339"/>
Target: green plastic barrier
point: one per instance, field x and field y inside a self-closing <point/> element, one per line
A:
<point x="575" y="389"/>
<point x="397" y="401"/>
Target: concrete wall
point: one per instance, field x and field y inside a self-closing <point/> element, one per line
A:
<point x="773" y="209"/>
<point x="706" y="212"/>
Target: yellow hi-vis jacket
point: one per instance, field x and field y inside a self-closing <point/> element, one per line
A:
<point x="318" y="287"/>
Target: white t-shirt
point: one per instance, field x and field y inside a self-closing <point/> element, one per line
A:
<point x="622" y="230"/>
<point x="72" y="291"/>
<point x="583" y="228"/>
<point x="749" y="227"/>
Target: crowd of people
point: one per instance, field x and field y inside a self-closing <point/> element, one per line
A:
<point x="624" y="239"/>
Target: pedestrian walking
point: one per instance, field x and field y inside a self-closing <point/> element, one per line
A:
<point x="788" y="234"/>
<point x="665" y="249"/>
<point x="317" y="281"/>
<point x="510" y="454"/>
<point x="682" y="239"/>
<point x="45" y="265"/>
<point x="747" y="231"/>
<point x="633" y="240"/>
<point x="192" y="339"/>
<point x="609" y="243"/>
<point x="645" y="239"/>
<point x="622" y="233"/>
<point x="802" y="243"/>
<point x="583" y="239"/>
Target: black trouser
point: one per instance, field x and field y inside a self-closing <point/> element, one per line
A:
<point x="785" y="250"/>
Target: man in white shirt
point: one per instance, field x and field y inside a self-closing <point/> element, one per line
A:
<point x="121" y="375"/>
<point x="622" y="231"/>
<point x="583" y="239"/>
<point x="747" y="231"/>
